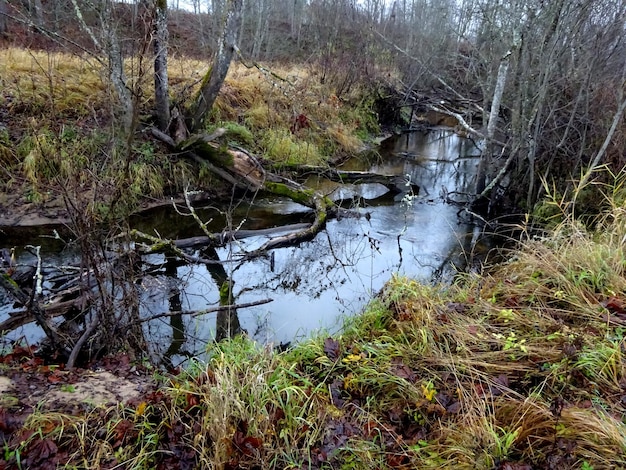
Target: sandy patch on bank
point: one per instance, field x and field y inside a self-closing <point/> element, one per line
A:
<point x="88" y="389"/>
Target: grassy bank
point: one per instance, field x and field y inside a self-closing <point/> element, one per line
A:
<point x="518" y="369"/>
<point x="61" y="136"/>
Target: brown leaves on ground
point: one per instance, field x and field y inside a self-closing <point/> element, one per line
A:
<point x="32" y="388"/>
<point x="332" y="349"/>
<point x="43" y="454"/>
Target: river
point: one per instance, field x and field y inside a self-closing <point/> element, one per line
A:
<point x="313" y="286"/>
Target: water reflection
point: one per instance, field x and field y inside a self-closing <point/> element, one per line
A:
<point x="314" y="285"/>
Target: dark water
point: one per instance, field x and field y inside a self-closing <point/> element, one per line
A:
<point x="315" y="285"/>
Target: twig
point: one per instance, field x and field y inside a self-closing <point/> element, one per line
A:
<point x="262" y="69"/>
<point x="195" y="313"/>
<point x="13" y="289"/>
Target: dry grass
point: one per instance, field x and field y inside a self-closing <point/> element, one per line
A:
<point x="51" y="85"/>
<point x="62" y="109"/>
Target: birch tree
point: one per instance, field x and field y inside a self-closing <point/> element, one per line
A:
<point x="3" y="17"/>
<point x="107" y="44"/>
<point x="161" y="81"/>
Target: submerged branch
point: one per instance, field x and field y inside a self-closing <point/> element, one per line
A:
<point x="33" y="308"/>
<point x="195" y="313"/>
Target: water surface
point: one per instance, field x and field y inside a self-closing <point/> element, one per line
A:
<point x="313" y="286"/>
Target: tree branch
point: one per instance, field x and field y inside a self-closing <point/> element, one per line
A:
<point x="195" y="313"/>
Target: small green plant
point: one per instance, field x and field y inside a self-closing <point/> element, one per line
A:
<point x="502" y="440"/>
<point x="13" y="454"/>
<point x="512" y="342"/>
<point x="506" y="314"/>
<point x="602" y="362"/>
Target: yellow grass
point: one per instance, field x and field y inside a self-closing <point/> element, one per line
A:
<point x="52" y="87"/>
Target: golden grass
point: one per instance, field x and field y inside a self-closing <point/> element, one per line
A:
<point x="284" y="115"/>
<point x="50" y="84"/>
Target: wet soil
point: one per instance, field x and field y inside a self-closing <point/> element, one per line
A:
<point x="16" y="210"/>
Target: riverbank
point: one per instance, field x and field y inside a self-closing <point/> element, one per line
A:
<point x="520" y="368"/>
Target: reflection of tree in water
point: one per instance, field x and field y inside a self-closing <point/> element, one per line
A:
<point x="434" y="160"/>
<point x="175" y="305"/>
<point x="313" y="268"/>
<point x="227" y="322"/>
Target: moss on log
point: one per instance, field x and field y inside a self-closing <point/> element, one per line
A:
<point x="302" y="196"/>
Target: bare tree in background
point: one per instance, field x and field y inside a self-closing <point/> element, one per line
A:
<point x="3" y="17"/>
<point x="532" y="78"/>
<point x="161" y="81"/>
<point x="212" y="82"/>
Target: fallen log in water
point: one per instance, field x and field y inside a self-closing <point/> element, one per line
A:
<point x="394" y="183"/>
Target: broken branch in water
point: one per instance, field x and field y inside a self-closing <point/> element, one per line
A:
<point x="195" y="313"/>
<point x="33" y="308"/>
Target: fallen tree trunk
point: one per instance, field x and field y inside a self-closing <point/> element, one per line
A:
<point x="243" y="170"/>
<point x="34" y="310"/>
<point x="240" y="234"/>
<point x="394" y="183"/>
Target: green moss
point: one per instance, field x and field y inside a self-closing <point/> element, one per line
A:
<point x="10" y="280"/>
<point x="280" y="146"/>
<point x="237" y="134"/>
<point x="226" y="290"/>
<point x="301" y="196"/>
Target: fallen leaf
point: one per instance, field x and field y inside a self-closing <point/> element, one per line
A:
<point x="615" y="305"/>
<point x="352" y="358"/>
<point x="403" y="371"/>
<point x="192" y="400"/>
<point x="500" y="385"/>
<point x="332" y="348"/>
<point x="121" y="430"/>
<point x="250" y="444"/>
<point x="55" y="377"/>
<point x="41" y="454"/>
<point x="454" y="408"/>
<point x="141" y="408"/>
<point x="397" y="460"/>
<point x="429" y="392"/>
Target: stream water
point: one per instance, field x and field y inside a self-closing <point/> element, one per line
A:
<point x="315" y="285"/>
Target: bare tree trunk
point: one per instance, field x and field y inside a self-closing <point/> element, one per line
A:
<point x="161" y="87"/>
<point x="261" y="28"/>
<point x="38" y="12"/>
<point x="117" y="75"/>
<point x="110" y="46"/>
<point x="3" y="18"/>
<point x="488" y="149"/>
<point x="617" y="118"/>
<point x="217" y="73"/>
